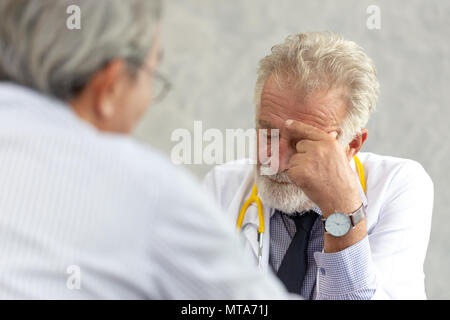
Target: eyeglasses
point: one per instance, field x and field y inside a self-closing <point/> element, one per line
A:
<point x="161" y="85"/>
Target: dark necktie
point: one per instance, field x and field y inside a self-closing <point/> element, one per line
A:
<point x="293" y="267"/>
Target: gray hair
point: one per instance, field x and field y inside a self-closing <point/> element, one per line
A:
<point x="38" y="50"/>
<point x="323" y="61"/>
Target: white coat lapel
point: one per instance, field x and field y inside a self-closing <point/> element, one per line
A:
<point x="266" y="243"/>
<point x="250" y="228"/>
<point x="361" y="191"/>
<point x="250" y="223"/>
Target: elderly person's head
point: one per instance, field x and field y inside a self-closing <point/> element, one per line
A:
<point x="102" y="70"/>
<point x="322" y="80"/>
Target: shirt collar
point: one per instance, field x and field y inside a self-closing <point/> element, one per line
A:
<point x="316" y="209"/>
<point x="41" y="106"/>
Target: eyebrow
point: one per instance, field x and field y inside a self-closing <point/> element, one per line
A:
<point x="266" y="124"/>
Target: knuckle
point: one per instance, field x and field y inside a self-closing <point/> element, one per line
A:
<point x="294" y="159"/>
<point x="308" y="171"/>
<point x="319" y="150"/>
<point x="332" y="143"/>
<point x="296" y="175"/>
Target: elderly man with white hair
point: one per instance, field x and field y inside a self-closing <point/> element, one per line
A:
<point x="339" y="223"/>
<point x="85" y="211"/>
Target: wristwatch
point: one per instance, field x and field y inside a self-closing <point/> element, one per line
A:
<point x="338" y="224"/>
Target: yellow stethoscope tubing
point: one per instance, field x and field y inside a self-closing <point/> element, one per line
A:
<point x="254" y="198"/>
<point x="360" y="170"/>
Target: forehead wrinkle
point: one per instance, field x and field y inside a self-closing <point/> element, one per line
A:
<point x="272" y="113"/>
<point x="314" y="120"/>
<point x="328" y="103"/>
<point x="273" y="98"/>
<point x="280" y="101"/>
<point x="320" y="114"/>
<point x="323" y="111"/>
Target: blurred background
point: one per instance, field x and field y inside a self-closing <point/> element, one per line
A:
<point x="211" y="51"/>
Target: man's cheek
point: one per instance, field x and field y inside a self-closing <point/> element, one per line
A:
<point x="263" y="151"/>
<point x="268" y="154"/>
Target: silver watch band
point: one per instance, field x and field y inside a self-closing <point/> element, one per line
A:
<point x="357" y="216"/>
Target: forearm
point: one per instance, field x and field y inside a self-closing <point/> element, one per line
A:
<point x="336" y="244"/>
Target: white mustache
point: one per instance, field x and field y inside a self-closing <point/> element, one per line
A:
<point x="280" y="177"/>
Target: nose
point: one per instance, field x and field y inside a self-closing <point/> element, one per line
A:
<point x="269" y="149"/>
<point x="286" y="151"/>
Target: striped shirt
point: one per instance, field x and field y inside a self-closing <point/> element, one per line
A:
<point x="86" y="214"/>
<point x="340" y="265"/>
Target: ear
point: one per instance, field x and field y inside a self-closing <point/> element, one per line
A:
<point x="108" y="85"/>
<point x="356" y="144"/>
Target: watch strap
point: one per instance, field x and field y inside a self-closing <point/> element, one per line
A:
<point x="357" y="216"/>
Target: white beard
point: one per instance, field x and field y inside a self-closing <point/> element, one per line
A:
<point x="285" y="196"/>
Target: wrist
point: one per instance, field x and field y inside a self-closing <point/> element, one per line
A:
<point x="334" y="244"/>
<point x="342" y="229"/>
<point x="345" y="202"/>
<point x="347" y="208"/>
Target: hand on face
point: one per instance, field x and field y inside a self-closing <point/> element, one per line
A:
<point x="321" y="169"/>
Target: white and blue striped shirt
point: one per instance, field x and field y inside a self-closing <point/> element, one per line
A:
<point x="86" y="214"/>
<point x="345" y="275"/>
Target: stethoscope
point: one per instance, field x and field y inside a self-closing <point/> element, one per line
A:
<point x="254" y="198"/>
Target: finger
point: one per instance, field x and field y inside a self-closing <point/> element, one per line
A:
<point x="296" y="160"/>
<point x="297" y="175"/>
<point x="298" y="131"/>
<point x="304" y="146"/>
<point x="333" y="134"/>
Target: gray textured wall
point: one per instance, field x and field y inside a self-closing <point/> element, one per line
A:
<point x="211" y="52"/>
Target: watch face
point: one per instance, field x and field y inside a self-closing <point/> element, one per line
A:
<point x="338" y="224"/>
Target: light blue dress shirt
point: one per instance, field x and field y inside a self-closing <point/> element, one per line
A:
<point x="347" y="271"/>
<point x="91" y="215"/>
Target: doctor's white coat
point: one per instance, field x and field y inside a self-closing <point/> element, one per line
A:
<point x="398" y="201"/>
